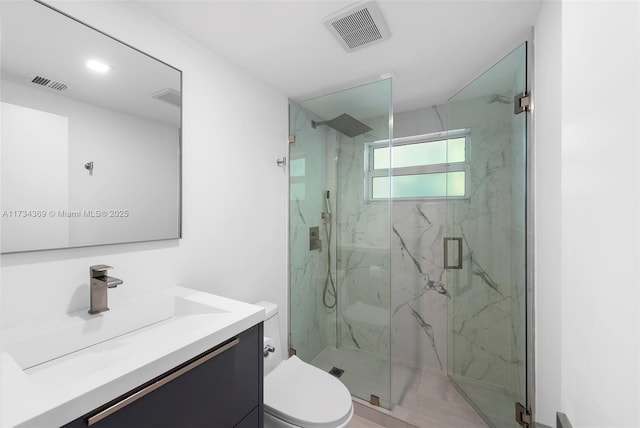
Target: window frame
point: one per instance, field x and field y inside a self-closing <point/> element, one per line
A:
<point x="371" y="173"/>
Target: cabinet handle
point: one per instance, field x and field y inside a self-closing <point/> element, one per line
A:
<point x="160" y="382"/>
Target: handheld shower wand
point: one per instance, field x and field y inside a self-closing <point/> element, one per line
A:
<point x="327" y="203"/>
<point x="329" y="279"/>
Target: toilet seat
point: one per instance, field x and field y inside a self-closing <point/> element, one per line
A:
<point x="305" y="396"/>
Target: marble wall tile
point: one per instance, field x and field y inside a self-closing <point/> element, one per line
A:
<point x="485" y="309"/>
<point x="308" y="326"/>
<point x="363" y="266"/>
<point x="473" y="305"/>
<point x="394" y="296"/>
<point x="418" y="293"/>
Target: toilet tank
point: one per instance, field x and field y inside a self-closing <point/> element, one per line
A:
<point x="272" y="336"/>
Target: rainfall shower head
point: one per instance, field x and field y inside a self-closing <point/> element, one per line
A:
<point x="345" y="124"/>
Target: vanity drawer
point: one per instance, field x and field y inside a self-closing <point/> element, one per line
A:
<point x="218" y="388"/>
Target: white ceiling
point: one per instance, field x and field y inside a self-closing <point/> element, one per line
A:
<point x="37" y="40"/>
<point x="435" y="49"/>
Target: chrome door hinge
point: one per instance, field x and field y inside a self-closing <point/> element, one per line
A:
<point x="292" y="139"/>
<point x="523" y="416"/>
<point x="521" y="103"/>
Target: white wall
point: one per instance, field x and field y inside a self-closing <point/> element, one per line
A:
<point x="588" y="358"/>
<point x="234" y="196"/>
<point x="600" y="213"/>
<point x="135" y="169"/>
<point x="34" y="178"/>
<point x="547" y="160"/>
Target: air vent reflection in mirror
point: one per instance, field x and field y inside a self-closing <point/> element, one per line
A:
<point x="168" y="95"/>
<point x="46" y="82"/>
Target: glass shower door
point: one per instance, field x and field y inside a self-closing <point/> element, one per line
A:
<point x="485" y="245"/>
<point x="339" y="263"/>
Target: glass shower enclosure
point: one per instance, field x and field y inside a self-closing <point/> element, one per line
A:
<point x="486" y="264"/>
<point x="339" y="255"/>
<point x="408" y="252"/>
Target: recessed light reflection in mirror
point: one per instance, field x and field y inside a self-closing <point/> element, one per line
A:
<point x="97" y="66"/>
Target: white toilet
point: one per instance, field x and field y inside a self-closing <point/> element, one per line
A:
<point x="297" y="394"/>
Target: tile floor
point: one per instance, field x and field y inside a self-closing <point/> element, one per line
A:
<point x="366" y="373"/>
<point x="430" y="401"/>
<point x="495" y="402"/>
<point x="426" y="399"/>
<point x="360" y="422"/>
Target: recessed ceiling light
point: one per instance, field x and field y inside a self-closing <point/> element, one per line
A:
<point x="97" y="66"/>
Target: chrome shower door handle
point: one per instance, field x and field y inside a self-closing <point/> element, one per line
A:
<point x="453" y="253"/>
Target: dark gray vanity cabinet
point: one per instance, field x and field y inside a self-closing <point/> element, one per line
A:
<point x="219" y="388"/>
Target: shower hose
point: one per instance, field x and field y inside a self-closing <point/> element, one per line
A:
<point x="329" y="291"/>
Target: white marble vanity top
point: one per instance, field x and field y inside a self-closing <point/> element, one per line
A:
<point x="52" y="372"/>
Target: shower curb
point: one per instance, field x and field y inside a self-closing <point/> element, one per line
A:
<point x="378" y="415"/>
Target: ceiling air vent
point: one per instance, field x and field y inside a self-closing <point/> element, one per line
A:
<point x="47" y="83"/>
<point x="359" y="26"/>
<point x="168" y="95"/>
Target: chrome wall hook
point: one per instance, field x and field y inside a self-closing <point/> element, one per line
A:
<point x="281" y="162"/>
<point x="89" y="167"/>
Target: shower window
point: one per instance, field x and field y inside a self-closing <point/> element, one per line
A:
<point x="297" y="186"/>
<point x="428" y="166"/>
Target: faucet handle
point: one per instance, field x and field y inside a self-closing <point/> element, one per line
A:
<point x="99" y="270"/>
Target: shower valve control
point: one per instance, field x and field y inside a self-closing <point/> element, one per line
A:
<point x="314" y="239"/>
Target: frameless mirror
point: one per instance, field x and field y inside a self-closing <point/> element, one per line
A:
<point x="90" y="136"/>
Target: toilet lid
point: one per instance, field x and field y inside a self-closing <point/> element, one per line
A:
<point x="304" y="395"/>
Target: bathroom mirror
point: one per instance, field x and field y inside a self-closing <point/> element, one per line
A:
<point x="90" y="136"/>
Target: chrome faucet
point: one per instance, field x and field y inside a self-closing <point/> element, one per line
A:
<point x="100" y="281"/>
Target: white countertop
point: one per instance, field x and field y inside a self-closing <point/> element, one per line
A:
<point x="62" y="389"/>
